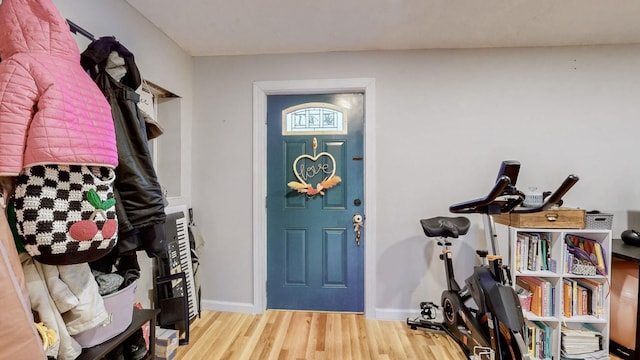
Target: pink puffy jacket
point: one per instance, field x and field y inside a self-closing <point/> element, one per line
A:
<point x="51" y="112"/>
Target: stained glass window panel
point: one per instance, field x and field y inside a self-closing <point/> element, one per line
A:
<point x="314" y="118"/>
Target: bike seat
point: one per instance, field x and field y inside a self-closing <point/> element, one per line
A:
<point x="447" y="227"/>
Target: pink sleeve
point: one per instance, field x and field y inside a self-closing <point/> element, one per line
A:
<point x="18" y="99"/>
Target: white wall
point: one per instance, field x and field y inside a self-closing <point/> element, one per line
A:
<point x="159" y="60"/>
<point x="445" y="120"/>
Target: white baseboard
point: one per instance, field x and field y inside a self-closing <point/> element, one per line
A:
<point x="228" y="306"/>
<point x="247" y="308"/>
<point x="396" y="314"/>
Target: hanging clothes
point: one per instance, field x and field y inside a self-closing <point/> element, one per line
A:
<point x="53" y="116"/>
<point x="16" y="318"/>
<point x="139" y="199"/>
<point x="52" y="113"/>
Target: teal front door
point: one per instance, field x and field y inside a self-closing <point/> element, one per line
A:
<point x="315" y="186"/>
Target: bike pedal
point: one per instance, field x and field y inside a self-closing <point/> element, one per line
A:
<point x="483" y="353"/>
<point x="427" y="304"/>
<point x="464" y="331"/>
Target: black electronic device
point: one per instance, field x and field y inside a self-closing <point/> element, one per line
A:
<point x="631" y="237"/>
<point x="510" y="169"/>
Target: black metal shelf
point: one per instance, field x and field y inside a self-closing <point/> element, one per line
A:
<point x="140" y="316"/>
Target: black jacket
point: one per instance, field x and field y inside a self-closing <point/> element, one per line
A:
<point x="137" y="189"/>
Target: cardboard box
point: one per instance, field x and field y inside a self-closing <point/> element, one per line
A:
<point x="559" y="218"/>
<point x="167" y="356"/>
<point x="167" y="343"/>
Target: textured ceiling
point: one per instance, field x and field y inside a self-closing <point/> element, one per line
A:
<point x="238" y="27"/>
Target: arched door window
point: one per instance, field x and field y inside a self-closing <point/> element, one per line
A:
<point x="314" y="118"/>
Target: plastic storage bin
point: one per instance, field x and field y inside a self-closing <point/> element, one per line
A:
<point x="598" y="221"/>
<point x="119" y="305"/>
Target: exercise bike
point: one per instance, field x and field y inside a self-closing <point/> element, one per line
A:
<point x="495" y="327"/>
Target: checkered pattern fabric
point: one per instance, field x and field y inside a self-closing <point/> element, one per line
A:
<point x="59" y="216"/>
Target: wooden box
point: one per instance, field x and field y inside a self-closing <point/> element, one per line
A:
<point x="559" y="218"/>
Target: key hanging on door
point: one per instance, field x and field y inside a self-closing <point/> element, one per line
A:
<point x="358" y="222"/>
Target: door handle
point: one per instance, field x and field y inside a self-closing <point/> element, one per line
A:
<point x="358" y="222"/>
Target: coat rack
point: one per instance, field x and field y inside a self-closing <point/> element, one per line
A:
<point x="78" y="30"/>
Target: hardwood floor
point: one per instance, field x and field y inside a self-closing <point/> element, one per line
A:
<point x="310" y="335"/>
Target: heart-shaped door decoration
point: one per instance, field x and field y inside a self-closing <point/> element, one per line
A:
<point x="304" y="173"/>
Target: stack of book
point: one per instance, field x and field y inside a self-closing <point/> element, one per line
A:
<point x="576" y="343"/>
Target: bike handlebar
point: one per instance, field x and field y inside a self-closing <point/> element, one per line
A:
<point x="502" y="198"/>
<point x="505" y="198"/>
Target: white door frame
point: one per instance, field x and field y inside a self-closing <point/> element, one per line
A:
<point x="293" y="87"/>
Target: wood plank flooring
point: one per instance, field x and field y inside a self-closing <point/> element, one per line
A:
<point x="310" y="335"/>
